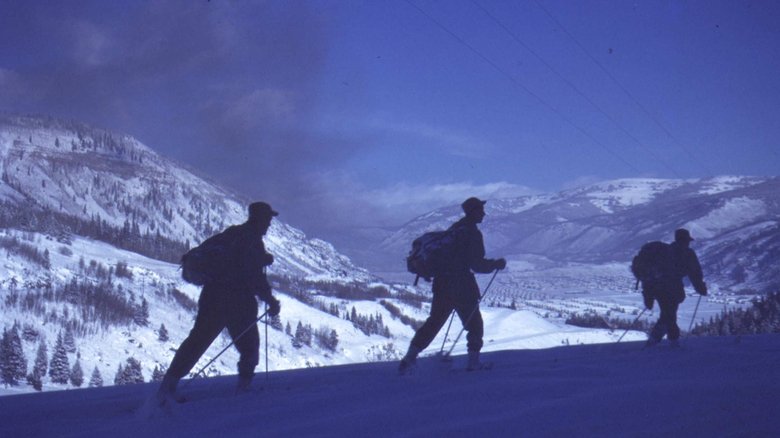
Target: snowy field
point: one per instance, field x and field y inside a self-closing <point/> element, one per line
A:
<point x="714" y="386"/>
<point x="555" y="290"/>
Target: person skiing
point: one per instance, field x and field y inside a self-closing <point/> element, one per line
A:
<point x="458" y="290"/>
<point x="229" y="301"/>
<point x="669" y="290"/>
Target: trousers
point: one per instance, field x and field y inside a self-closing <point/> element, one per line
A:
<point x="667" y="321"/>
<point x="461" y="294"/>
<point x="217" y="310"/>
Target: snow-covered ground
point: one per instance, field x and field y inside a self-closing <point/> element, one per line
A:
<point x="714" y="386"/>
<point x="108" y="348"/>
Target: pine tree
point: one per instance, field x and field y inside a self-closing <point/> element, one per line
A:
<point x="59" y="367"/>
<point x="119" y="378"/>
<point x="20" y="364"/>
<point x="162" y="334"/>
<point x="96" y="381"/>
<point x="6" y="373"/>
<point x="141" y="316"/>
<point x="34" y="379"/>
<point x="41" y="360"/>
<point x="307" y="335"/>
<point x="303" y="335"/>
<point x="131" y="373"/>
<point x="69" y="341"/>
<point x="288" y="329"/>
<point x="76" y="375"/>
<point x="158" y="374"/>
<point x="327" y="338"/>
<point x="333" y="340"/>
<point x="13" y="363"/>
<point x="296" y="340"/>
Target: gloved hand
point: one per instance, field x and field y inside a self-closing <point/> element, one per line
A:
<point x="274" y="306"/>
<point x="268" y="259"/>
<point x="702" y="290"/>
<point x="501" y="264"/>
<point x="648" y="300"/>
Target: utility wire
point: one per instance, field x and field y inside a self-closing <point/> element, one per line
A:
<point x="625" y="90"/>
<point x="574" y="87"/>
<point x="523" y="87"/>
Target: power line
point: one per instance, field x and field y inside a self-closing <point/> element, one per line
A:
<point x="625" y="90"/>
<point x="523" y="87"/>
<point x="574" y="87"/>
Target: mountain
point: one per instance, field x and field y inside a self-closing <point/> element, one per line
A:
<point x="75" y="172"/>
<point x="91" y="226"/>
<point x="734" y="220"/>
<point x="712" y="386"/>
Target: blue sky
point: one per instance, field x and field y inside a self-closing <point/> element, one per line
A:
<point x="346" y="114"/>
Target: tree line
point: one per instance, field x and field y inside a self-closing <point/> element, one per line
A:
<point x="763" y="316"/>
<point x="15" y="368"/>
<point x="30" y="217"/>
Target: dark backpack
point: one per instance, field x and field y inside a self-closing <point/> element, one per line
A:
<point x="210" y="260"/>
<point x="653" y="263"/>
<point x="435" y="253"/>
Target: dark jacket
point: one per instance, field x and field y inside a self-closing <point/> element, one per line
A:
<point x="685" y="263"/>
<point x="244" y="275"/>
<point x="472" y="252"/>
<point x="459" y="284"/>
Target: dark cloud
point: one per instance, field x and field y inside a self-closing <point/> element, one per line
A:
<point x="226" y="87"/>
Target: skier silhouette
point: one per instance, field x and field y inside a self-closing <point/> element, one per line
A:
<point x="669" y="291"/>
<point x="229" y="301"/>
<point x="458" y="290"/>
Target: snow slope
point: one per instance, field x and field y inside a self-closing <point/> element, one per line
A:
<point x="153" y="280"/>
<point x="716" y="386"/>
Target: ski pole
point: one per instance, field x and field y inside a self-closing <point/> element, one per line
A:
<point x="693" y="318"/>
<point x="452" y="316"/>
<point x="632" y="324"/>
<point x="266" y="344"/>
<point x="471" y="315"/>
<point x="224" y="350"/>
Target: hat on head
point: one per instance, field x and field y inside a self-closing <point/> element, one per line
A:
<point x="471" y="204"/>
<point x="261" y="210"/>
<point x="682" y="235"/>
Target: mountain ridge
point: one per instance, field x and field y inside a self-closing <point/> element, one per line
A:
<point x="607" y="222"/>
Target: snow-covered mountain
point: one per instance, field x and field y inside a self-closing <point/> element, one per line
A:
<point x="734" y="220"/>
<point x="80" y="207"/>
<point x="72" y="170"/>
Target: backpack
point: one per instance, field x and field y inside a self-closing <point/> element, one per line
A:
<point x="210" y="260"/>
<point x="653" y="263"/>
<point x="435" y="253"/>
